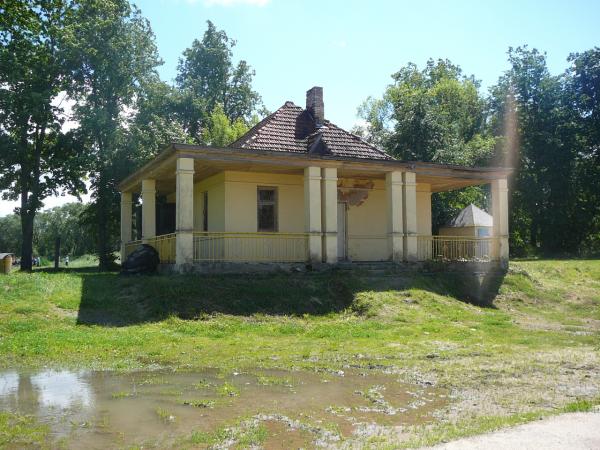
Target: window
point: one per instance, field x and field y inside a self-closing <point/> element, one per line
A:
<point x="267" y="209"/>
<point x="205" y="211"/>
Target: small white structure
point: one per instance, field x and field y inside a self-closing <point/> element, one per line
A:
<point x="470" y="222"/>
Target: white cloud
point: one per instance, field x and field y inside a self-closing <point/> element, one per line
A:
<point x="233" y="2"/>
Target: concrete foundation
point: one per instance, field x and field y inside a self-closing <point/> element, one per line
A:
<point x="474" y="282"/>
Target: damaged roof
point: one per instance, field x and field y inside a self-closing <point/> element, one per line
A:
<point x="294" y="129"/>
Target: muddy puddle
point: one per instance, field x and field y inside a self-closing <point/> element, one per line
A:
<point x="262" y="408"/>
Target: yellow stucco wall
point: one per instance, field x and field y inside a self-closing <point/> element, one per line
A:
<point x="240" y="190"/>
<point x="232" y="207"/>
<point x="215" y="186"/>
<point x="367" y="222"/>
<point x="424" y="209"/>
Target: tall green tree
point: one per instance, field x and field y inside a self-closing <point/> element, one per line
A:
<point x="436" y="114"/>
<point x="36" y="158"/>
<point x="115" y="52"/>
<point x="542" y="207"/>
<point x="584" y="84"/>
<point x="207" y="78"/>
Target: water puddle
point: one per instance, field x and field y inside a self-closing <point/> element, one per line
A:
<point x="263" y="408"/>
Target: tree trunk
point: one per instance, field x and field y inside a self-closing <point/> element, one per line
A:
<point x="27" y="244"/>
<point x="56" y="252"/>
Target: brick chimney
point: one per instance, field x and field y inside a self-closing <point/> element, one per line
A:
<point x="315" y="106"/>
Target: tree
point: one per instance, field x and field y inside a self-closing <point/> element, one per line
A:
<point x="542" y="208"/>
<point x="220" y="131"/>
<point x="207" y="78"/>
<point x="36" y="158"/>
<point x="155" y="123"/>
<point x="436" y="115"/>
<point x="62" y="222"/>
<point x="115" y="52"/>
<point x="11" y="236"/>
<point x="584" y="84"/>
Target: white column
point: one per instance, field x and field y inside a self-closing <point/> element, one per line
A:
<point x="184" y="211"/>
<point x="329" y="214"/>
<point x="393" y="190"/>
<point x="148" y="209"/>
<point x="126" y="221"/>
<point x="500" y="215"/>
<point x="409" y="197"/>
<point x="312" y="212"/>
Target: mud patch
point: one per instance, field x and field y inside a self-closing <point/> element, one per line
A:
<point x="269" y="409"/>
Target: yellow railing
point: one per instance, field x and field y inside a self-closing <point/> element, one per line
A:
<point x="250" y="247"/>
<point x="455" y="248"/>
<point x="131" y="246"/>
<point x="165" y="246"/>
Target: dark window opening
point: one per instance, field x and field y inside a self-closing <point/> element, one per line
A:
<point x="205" y="211"/>
<point x="267" y="209"/>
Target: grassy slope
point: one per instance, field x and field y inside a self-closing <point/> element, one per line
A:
<point x="537" y="350"/>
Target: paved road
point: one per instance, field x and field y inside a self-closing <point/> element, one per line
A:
<point x="575" y="431"/>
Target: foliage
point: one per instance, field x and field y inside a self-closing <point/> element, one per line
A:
<point x="210" y="83"/>
<point x="436" y="114"/>
<point x="11" y="236"/>
<point x="550" y="151"/>
<point x="62" y="221"/>
<point x="115" y="54"/>
<point x="37" y="158"/>
<point x="584" y="82"/>
<point x="220" y="131"/>
<point x="155" y="123"/>
<point x="544" y="126"/>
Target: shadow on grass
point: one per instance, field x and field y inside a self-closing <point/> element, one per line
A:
<point x="112" y="300"/>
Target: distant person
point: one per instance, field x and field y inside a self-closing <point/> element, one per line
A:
<point x="67" y="261"/>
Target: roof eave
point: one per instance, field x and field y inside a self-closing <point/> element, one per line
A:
<point x="424" y="168"/>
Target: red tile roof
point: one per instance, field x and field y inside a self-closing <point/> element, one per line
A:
<point x="292" y="129"/>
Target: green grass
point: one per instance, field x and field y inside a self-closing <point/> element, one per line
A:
<point x="17" y="431"/>
<point x="501" y="363"/>
<point x="245" y="435"/>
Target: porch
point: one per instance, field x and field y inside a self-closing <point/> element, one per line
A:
<point x="213" y="247"/>
<point x="204" y="205"/>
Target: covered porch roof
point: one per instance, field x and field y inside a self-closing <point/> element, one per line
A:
<point x="211" y="160"/>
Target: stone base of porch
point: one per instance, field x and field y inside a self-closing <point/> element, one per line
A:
<point x="233" y="268"/>
<point x="373" y="267"/>
<point x="474" y="282"/>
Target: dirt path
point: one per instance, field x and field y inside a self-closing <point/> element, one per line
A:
<point x="576" y="431"/>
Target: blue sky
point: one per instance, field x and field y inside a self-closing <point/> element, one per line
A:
<point x="352" y="47"/>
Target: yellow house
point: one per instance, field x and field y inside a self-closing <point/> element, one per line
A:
<point x="298" y="189"/>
